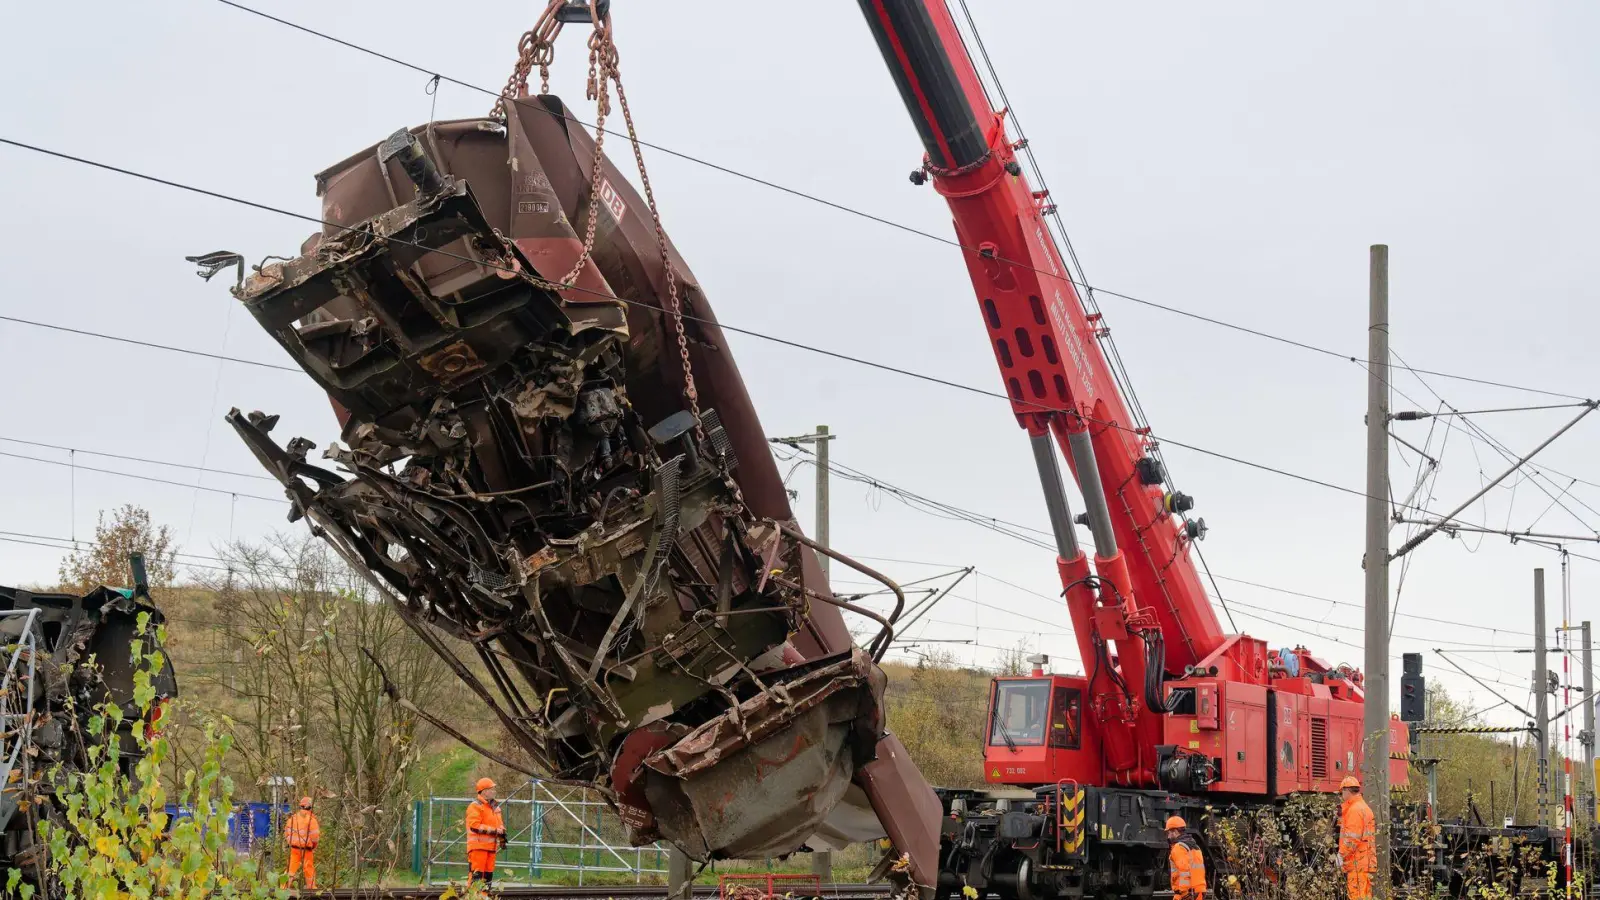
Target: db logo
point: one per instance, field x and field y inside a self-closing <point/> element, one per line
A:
<point x="612" y="200"/>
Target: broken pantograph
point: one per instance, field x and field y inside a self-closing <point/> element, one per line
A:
<point x="518" y="470"/>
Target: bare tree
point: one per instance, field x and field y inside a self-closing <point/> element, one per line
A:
<point x="295" y="626"/>
<point x="1015" y="660"/>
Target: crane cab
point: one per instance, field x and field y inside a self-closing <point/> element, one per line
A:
<point x="1035" y="733"/>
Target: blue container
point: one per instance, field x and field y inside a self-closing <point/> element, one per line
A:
<point x="254" y="821"/>
<point x="247" y="824"/>
<point x="176" y="813"/>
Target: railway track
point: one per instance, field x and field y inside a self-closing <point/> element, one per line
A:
<point x="586" y="892"/>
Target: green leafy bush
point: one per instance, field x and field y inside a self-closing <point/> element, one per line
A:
<point x="107" y="832"/>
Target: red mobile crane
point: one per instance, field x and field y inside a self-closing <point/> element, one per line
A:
<point x="1172" y="710"/>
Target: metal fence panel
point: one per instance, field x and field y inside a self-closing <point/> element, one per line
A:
<point x="551" y="830"/>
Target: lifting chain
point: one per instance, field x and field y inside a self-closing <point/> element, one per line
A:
<point x="602" y="71"/>
<point x="674" y="301"/>
<point x="537" y="48"/>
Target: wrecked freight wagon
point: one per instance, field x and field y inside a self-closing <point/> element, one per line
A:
<point x="541" y="458"/>
<point x="64" y="656"/>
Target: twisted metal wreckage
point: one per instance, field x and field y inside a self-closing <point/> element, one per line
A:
<point x="569" y="477"/>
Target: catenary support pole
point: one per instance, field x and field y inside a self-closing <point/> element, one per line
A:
<point x="1565" y="647"/>
<point x="822" y="861"/>
<point x="1541" y="697"/>
<point x="679" y="877"/>
<point x="1375" y="721"/>
<point x="1587" y="737"/>
<point x="822" y="493"/>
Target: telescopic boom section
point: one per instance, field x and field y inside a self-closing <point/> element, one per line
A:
<point x="1056" y="374"/>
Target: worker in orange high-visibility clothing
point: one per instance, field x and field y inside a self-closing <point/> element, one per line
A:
<point x="486" y="834"/>
<point x="1185" y="862"/>
<point x="1358" y="841"/>
<point x="303" y="832"/>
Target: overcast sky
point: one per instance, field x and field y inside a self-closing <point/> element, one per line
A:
<point x="1234" y="160"/>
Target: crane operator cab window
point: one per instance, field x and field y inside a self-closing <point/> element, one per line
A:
<point x="1020" y="713"/>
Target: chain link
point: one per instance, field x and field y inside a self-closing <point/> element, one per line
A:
<point x="537" y="48"/>
<point x="674" y="301"/>
<point x="602" y="70"/>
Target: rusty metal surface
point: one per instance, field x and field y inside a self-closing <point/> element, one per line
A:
<point x="518" y="471"/>
<point x="766" y="773"/>
<point x="907" y="806"/>
<point x="82" y="658"/>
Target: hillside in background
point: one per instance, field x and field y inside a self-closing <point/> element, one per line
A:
<point x="211" y="668"/>
<point x="287" y="651"/>
<point x="937" y="708"/>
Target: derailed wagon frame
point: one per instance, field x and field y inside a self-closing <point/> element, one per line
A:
<point x="65" y="655"/>
<point x="519" y="470"/>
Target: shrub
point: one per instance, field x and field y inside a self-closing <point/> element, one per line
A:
<point x="107" y="833"/>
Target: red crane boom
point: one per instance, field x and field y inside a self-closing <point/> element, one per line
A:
<point x="1161" y="671"/>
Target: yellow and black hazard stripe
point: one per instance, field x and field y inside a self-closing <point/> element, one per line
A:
<point x="1468" y="729"/>
<point x="1070" y="826"/>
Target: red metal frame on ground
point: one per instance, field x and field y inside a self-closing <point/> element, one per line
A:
<point x="812" y="884"/>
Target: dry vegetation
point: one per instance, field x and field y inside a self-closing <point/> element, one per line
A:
<point x="268" y="649"/>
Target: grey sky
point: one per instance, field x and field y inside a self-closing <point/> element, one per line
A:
<point x="1234" y="161"/>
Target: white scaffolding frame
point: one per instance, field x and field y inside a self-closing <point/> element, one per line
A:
<point x="550" y="829"/>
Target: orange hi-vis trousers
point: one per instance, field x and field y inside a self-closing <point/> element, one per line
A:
<point x="297" y="858"/>
<point x="480" y="864"/>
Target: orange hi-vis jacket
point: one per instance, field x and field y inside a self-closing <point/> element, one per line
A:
<point x="302" y="830"/>
<point x="1358" y="836"/>
<point x="485" y="826"/>
<point x="1188" y="869"/>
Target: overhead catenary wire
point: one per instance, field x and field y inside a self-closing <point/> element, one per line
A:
<point x="83" y="468"/>
<point x="1471" y="429"/>
<point x="1118" y="370"/>
<point x="980" y="519"/>
<point x="1475" y="433"/>
<point x="1012" y="528"/>
<point x="1262" y="614"/>
<point x="840" y="207"/>
<point x="1535" y="470"/>
<point x="137" y="459"/>
<point x="866" y="362"/>
<point x="1446" y="658"/>
<point x="83" y="332"/>
<point x="1138" y="432"/>
<point x="238" y="565"/>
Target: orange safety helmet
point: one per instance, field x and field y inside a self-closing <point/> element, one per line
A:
<point x="1350" y="781"/>
<point x="1176" y="823"/>
<point x="305" y="802"/>
<point x="485" y="784"/>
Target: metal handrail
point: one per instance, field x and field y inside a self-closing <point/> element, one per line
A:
<point x="27" y="641"/>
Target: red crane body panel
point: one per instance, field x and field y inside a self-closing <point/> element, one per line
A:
<point x="1263" y="741"/>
